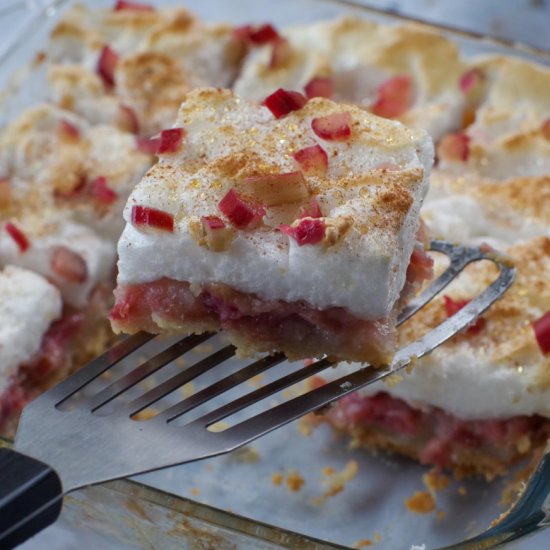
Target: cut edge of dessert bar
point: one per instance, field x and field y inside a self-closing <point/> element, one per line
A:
<point x="42" y="340"/>
<point x="291" y="225"/>
<point x="476" y="405"/>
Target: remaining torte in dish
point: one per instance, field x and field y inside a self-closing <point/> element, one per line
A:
<point x="480" y="402"/>
<point x="130" y="67"/>
<point x="29" y="306"/>
<point x="291" y="225"/>
<point x="41" y="341"/>
<point x="405" y="72"/>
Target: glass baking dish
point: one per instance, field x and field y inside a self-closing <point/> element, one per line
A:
<point x="231" y="501"/>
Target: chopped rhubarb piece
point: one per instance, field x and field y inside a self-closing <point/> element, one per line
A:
<point x="68" y="265"/>
<point x="151" y="217"/>
<point x="280" y="52"/>
<point x="136" y="6"/>
<point x="240" y="213"/>
<point x="106" y="66"/>
<point x="454" y="147"/>
<point x="5" y="192"/>
<point x="127" y="119"/>
<point x="469" y="80"/>
<point x="276" y="189"/>
<point x="242" y="32"/>
<point x="312" y="210"/>
<point x="546" y="129"/>
<point x="102" y="192"/>
<point x="282" y="102"/>
<point x="68" y="131"/>
<point x="319" y="86"/>
<point x="217" y="235"/>
<point x="454" y="306"/>
<point x="149" y="146"/>
<point x="257" y="34"/>
<point x="394" y="97"/>
<point x="312" y="160"/>
<point x="542" y="332"/>
<point x="420" y="265"/>
<point x="170" y="140"/>
<point x="334" y="127"/>
<point x="306" y="231"/>
<point x="18" y="236"/>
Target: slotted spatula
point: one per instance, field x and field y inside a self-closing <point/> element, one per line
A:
<point x="57" y="451"/>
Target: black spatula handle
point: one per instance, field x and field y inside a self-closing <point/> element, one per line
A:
<point x="30" y="497"/>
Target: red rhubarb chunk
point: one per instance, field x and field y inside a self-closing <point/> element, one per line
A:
<point x="102" y="192"/>
<point x="151" y="217"/>
<point x="106" y="66"/>
<point x="68" y="131"/>
<point x="546" y="129"/>
<point x="18" y="236"/>
<point x="257" y="34"/>
<point x="149" y="146"/>
<point x="170" y="140"/>
<point x="394" y="97"/>
<point x="542" y="332"/>
<point x="128" y="119"/>
<point x="68" y="265"/>
<point x="312" y="210"/>
<point x="334" y="127"/>
<point x="240" y="213"/>
<point x="454" y="306"/>
<point x="454" y="147"/>
<point x="312" y="160"/>
<point x="136" y="6"/>
<point x="469" y="80"/>
<point x="282" y="102"/>
<point x="307" y="231"/>
<point x="212" y="222"/>
<point x="319" y="86"/>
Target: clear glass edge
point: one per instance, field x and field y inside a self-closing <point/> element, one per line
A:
<point x="186" y="507"/>
<point x="182" y="509"/>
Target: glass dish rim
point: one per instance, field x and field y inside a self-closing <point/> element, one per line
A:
<point x="217" y="516"/>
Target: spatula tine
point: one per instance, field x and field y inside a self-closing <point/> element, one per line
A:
<point x="310" y="401"/>
<point x="98" y="366"/>
<point x="145" y="369"/>
<point x="220" y="387"/>
<point x="180" y="379"/>
<point x="263" y="392"/>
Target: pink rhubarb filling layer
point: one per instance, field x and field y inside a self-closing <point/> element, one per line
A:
<point x="170" y="304"/>
<point x="437" y="433"/>
<point x="52" y="357"/>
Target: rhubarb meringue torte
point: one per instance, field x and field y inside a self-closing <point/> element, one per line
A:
<point x="290" y="225"/>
